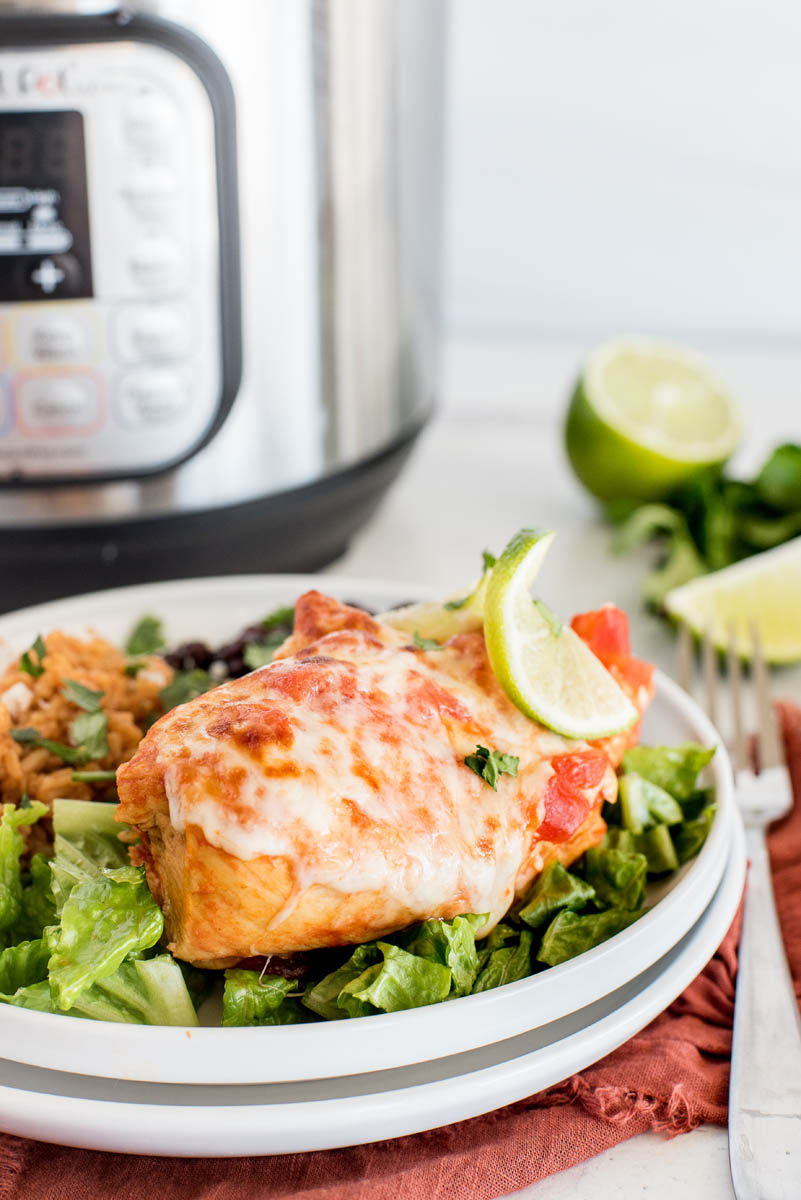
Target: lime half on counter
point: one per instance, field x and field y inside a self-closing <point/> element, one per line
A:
<point x="764" y="591"/>
<point x="545" y="668"/>
<point x="644" y="417"/>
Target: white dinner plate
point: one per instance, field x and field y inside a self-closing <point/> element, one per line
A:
<point x="142" y="1118"/>
<point x="215" y="610"/>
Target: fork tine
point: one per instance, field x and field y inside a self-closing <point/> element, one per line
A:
<point x="741" y="759"/>
<point x="710" y="673"/>
<point x="684" y="660"/>
<point x="769" y="744"/>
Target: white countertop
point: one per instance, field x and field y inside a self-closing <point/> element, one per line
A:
<point x="491" y="461"/>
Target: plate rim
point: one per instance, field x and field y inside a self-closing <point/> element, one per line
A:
<point x="356" y="1052"/>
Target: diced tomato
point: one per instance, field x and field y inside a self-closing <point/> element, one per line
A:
<point x="606" y="632"/>
<point x="565" y="810"/>
<point x="583" y="770"/>
<point x="634" y="674"/>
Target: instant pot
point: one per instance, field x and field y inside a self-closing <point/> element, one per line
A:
<point x="219" y="234"/>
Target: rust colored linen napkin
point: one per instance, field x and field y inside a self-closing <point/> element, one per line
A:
<point x="672" y="1077"/>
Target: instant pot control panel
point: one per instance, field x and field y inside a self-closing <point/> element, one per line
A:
<point x="119" y="295"/>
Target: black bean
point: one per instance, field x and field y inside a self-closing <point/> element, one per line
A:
<point x="190" y="655"/>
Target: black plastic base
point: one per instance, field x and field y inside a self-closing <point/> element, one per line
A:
<point x="298" y="530"/>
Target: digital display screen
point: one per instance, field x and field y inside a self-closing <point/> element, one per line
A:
<point x="44" y="210"/>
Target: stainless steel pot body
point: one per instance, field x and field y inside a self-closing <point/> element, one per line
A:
<point x="333" y="136"/>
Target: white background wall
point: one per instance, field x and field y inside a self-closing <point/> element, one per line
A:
<point x="624" y="164"/>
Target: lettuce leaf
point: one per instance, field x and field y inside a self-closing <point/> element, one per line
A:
<point x="12" y="845"/>
<point x="643" y="804"/>
<point x="321" y="997"/>
<point x="657" y="846"/>
<point x="82" y="857"/>
<point x="553" y="890"/>
<point x="453" y="944"/>
<point x="142" y="991"/>
<point x="24" y="964"/>
<point x="252" y="999"/>
<point x="569" y="934"/>
<point x="36" y="996"/>
<point x="672" y="768"/>
<point x="510" y="962"/>
<point x="102" y="921"/>
<point x="618" y="876"/>
<point x="401" y="981"/>
<point x="38" y="905"/>
<point x="691" y="835"/>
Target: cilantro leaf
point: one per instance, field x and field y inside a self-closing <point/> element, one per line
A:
<point x="489" y="765"/>
<point x="281" y="617"/>
<point x="426" y="643"/>
<point x="69" y="754"/>
<point x="146" y="637"/>
<point x="186" y="685"/>
<point x="79" y="694"/>
<point x="28" y="664"/>
<point x="89" y="733"/>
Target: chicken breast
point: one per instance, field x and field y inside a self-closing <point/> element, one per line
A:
<point x="325" y="800"/>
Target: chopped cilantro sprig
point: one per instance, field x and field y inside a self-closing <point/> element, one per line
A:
<point x="489" y="765"/>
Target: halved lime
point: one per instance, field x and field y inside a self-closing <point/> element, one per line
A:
<point x="441" y="619"/>
<point x="764" y="591"/>
<point x="546" y="670"/>
<point x="644" y="417"/>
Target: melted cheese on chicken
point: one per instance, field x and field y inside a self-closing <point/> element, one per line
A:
<point x="324" y="799"/>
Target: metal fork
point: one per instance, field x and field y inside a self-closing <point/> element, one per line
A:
<point x="765" y="1083"/>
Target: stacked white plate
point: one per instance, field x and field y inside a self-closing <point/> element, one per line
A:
<point x="214" y="1091"/>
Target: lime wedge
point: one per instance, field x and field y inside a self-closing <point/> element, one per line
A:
<point x="644" y="417"/>
<point x="442" y="619"/>
<point x="545" y="668"/>
<point x="764" y="591"/>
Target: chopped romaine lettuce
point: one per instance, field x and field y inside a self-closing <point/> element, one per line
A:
<point x="12" y="845"/>
<point x="102" y="921"/>
<point x="618" y="876"/>
<point x="553" y="890"/>
<point x="657" y="846"/>
<point x="253" y="999"/>
<point x="38" y="906"/>
<point x="508" y="963"/>
<point x="643" y="804"/>
<point x="401" y="981"/>
<point x="142" y="991"/>
<point x="452" y="943"/>
<point x="36" y="996"/>
<point x="24" y="964"/>
<point x="673" y="768"/>
<point x="691" y="835"/>
<point x="321" y="997"/>
<point x="569" y="934"/>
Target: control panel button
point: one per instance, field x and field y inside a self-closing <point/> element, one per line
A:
<point x="52" y="339"/>
<point x="150" y="190"/>
<point x="149" y="119"/>
<point x="151" y="397"/>
<point x="156" y="264"/>
<point x="52" y="277"/>
<point x="152" y="331"/>
<point x="58" y="404"/>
